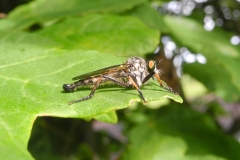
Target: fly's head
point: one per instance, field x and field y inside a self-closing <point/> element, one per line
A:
<point x="152" y="67"/>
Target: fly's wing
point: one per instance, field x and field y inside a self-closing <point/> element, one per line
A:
<point x="98" y="72"/>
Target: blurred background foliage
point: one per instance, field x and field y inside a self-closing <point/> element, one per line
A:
<point x="199" y="43"/>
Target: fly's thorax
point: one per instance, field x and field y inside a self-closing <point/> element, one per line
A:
<point x="137" y="68"/>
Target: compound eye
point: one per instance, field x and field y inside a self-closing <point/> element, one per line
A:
<point x="151" y="65"/>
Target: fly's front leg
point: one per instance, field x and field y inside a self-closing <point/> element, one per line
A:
<point x="165" y="86"/>
<point x="158" y="79"/>
<point x="137" y="87"/>
<point x="148" y="77"/>
<point x="90" y="95"/>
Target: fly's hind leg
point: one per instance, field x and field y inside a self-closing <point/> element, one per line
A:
<point x="164" y="85"/>
<point x="96" y="86"/>
<point x="116" y="81"/>
<point x="90" y="95"/>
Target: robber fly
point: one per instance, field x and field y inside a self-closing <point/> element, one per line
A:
<point x="135" y="72"/>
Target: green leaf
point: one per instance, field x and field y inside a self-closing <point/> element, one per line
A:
<point x="41" y="11"/>
<point x="182" y="134"/>
<point x="149" y="16"/>
<point x="220" y="73"/>
<point x="110" y="117"/>
<point x="32" y="73"/>
<point x="126" y="35"/>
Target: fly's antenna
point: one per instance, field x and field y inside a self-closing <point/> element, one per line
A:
<point x="159" y="61"/>
<point x="159" y="70"/>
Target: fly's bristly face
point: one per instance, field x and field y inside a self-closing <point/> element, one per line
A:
<point x="135" y="72"/>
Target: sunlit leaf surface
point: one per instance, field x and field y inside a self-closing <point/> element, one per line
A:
<point x="32" y="73"/>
